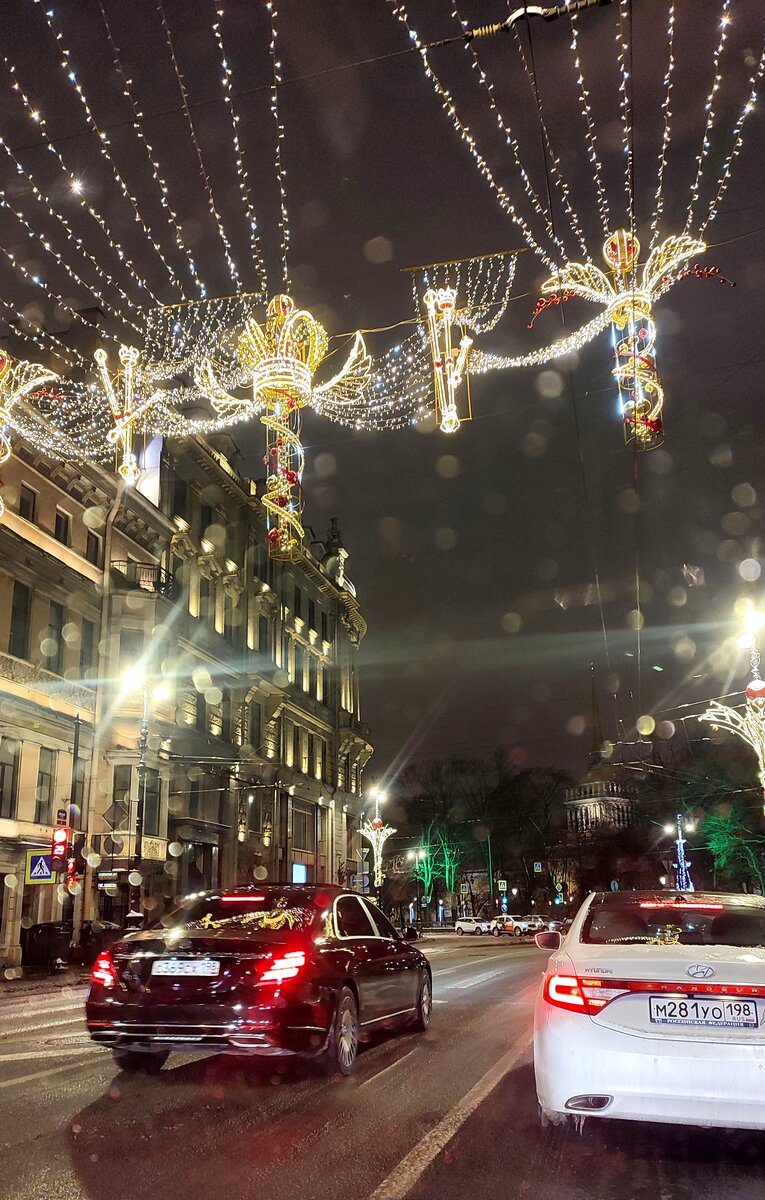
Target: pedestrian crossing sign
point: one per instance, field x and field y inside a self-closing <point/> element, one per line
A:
<point x="39" y="868"/>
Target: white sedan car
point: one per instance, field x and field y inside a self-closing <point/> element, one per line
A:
<point x="653" y="1009"/>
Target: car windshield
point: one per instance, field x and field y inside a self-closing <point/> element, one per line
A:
<point x="270" y="912"/>
<point x="687" y="923"/>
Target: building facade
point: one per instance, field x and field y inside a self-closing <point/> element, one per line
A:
<point x="160" y="603"/>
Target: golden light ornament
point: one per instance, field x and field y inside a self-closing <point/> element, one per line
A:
<point x="748" y="725"/>
<point x="17" y="380"/>
<point x="130" y="393"/>
<point x="278" y="359"/>
<point x="376" y="832"/>
<point x="449" y="365"/>
<point x="629" y="298"/>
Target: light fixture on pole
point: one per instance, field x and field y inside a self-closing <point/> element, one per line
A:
<point x="376" y="833"/>
<point x="749" y="725"/>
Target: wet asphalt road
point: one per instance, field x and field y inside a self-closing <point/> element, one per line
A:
<point x="449" y="1114"/>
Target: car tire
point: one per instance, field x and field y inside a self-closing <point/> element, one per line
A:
<point x="496" y="931"/>
<point x="460" y="931"/>
<point x="344" y="1035"/>
<point x="148" y="1061"/>
<point x="422" y="1016"/>
<point x="517" y="932"/>
<point x="478" y="931"/>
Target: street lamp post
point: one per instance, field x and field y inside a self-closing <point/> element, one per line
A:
<point x="137" y="677"/>
<point x="417" y="856"/>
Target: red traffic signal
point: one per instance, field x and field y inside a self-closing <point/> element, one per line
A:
<point x="60" y="848"/>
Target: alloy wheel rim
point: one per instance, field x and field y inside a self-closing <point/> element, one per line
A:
<point x="425" y="1003"/>
<point x="347" y="1037"/>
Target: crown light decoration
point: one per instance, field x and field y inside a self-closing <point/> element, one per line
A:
<point x="278" y="359"/>
<point x="628" y="298"/>
<point x="748" y="725"/>
<point x="448" y="364"/>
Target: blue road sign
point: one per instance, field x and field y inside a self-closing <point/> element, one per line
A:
<point x="39" y="868"/>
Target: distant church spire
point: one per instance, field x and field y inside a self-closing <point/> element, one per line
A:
<point x="596" y="753"/>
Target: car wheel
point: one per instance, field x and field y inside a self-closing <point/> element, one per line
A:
<point x="517" y="932"/>
<point x="495" y="931"/>
<point x="149" y="1061"/>
<point x="460" y="931"/>
<point x="344" y="1038"/>
<point x="424" y="1005"/>
<point x="478" y="930"/>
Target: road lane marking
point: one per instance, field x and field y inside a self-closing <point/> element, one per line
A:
<point x="484" y="958"/>
<point x="390" y="1066"/>
<point x="40" y="1028"/>
<point x="404" y="1176"/>
<point x="474" y="980"/>
<point x="52" y="1052"/>
<point x="73" y="1066"/>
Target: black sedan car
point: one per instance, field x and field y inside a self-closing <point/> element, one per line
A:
<point x="273" y="970"/>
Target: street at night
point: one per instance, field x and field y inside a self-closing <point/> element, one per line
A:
<point x="423" y="1116"/>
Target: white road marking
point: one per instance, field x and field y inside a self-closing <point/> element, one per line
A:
<point x="404" y="1176"/>
<point x="52" y="1052"/>
<point x="7" y="1083"/>
<point x="474" y="980"/>
<point x="390" y="1066"/>
<point x="12" y="1033"/>
<point x="468" y="963"/>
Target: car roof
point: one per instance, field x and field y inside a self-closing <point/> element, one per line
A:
<point x="664" y="896"/>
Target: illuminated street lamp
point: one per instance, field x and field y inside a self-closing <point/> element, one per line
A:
<point x="133" y="679"/>
<point x="416" y="856"/>
<point x="749" y="725"/>
<point x="376" y="833"/>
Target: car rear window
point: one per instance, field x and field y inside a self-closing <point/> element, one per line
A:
<point x="270" y="911"/>
<point x="687" y="923"/>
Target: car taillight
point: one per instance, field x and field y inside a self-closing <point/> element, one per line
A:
<point x="581" y="995"/>
<point x="284" y="966"/>
<point x="104" y="972"/>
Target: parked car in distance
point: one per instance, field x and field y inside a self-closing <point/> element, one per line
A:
<point x="266" y="971"/>
<point x="535" y="923"/>
<point x="653" y="1009"/>
<point x="513" y="925"/>
<point x="472" y="925"/>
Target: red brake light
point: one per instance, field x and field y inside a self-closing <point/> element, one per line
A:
<point x="285" y="966"/>
<point x="582" y="995"/>
<point x="104" y="972"/>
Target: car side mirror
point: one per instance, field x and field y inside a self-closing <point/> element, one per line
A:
<point x="550" y="940"/>
<point x="411" y="934"/>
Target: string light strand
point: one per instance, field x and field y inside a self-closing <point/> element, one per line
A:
<point x="658" y="204"/>
<point x="276" y="69"/>
<point x="591" y="137"/>
<point x="710" y="110"/>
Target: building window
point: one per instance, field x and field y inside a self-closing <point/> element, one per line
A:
<point x="46" y="774"/>
<point x="53" y="644"/>
<point x="200" y="717"/>
<point x="180" y="501"/>
<point x="117" y="817"/>
<point x="93" y="548"/>
<point x="313" y="677"/>
<point x="264" y="645"/>
<point x="21" y="612"/>
<point x="131" y="647"/>
<point x="324" y="773"/>
<point x="303" y="826"/>
<point x="61" y="527"/>
<point x="151" y="803"/>
<point x="87" y="642"/>
<point x="296" y="749"/>
<point x="204" y="598"/>
<point x="298" y="602"/>
<point x="256" y="733"/>
<point x="311" y="614"/>
<point x="10" y="751"/>
<point x="206" y="517"/>
<point x="324" y="627"/>
<point x="225" y="729"/>
<point x="311" y="755"/>
<point x="27" y="503"/>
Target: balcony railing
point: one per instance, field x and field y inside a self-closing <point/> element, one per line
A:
<point x="146" y="577"/>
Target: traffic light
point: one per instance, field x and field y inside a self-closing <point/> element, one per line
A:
<point x="71" y="873"/>
<point x="60" y="848"/>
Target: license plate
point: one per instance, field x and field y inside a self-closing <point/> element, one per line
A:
<point x="185" y="966"/>
<point x="714" y="1011"/>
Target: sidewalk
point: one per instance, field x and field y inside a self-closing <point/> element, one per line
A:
<point x="38" y="981"/>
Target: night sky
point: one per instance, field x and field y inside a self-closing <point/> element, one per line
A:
<point x="474" y="556"/>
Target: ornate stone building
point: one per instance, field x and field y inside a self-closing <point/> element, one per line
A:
<point x="162" y="600"/>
